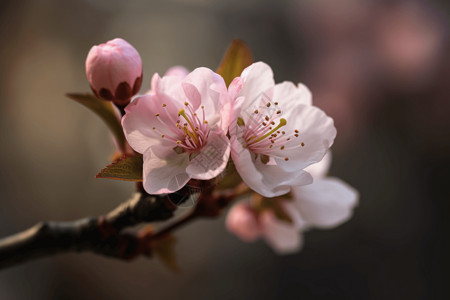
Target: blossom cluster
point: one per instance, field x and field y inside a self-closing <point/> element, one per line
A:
<point x="191" y="125"/>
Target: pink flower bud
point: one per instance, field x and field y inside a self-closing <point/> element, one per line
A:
<point x="243" y="222"/>
<point x="114" y="71"/>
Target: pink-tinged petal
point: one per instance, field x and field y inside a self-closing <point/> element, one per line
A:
<point x="242" y="221"/>
<point x="164" y="170"/>
<point x="179" y="71"/>
<point x="169" y="89"/>
<point x="320" y="169"/>
<point x="229" y="104"/>
<point x="212" y="159"/>
<point x="235" y="108"/>
<point x="326" y="203"/>
<point x="316" y="135"/>
<point x="235" y="87"/>
<point x="140" y="119"/>
<point x="137" y="128"/>
<point x="283" y="237"/>
<point x="258" y="79"/>
<point x="154" y="83"/>
<point x="210" y="87"/>
<point x="265" y="179"/>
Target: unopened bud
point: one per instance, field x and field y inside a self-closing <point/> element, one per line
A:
<point x="114" y="71"/>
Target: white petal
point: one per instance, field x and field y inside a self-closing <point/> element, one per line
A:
<point x="316" y="132"/>
<point x="306" y="95"/>
<point x="267" y="180"/>
<point x="326" y="203"/>
<point x="320" y="169"/>
<point x="212" y="159"/>
<point x="164" y="170"/>
<point x="290" y="208"/>
<point x="288" y="95"/>
<point x="283" y="237"/>
<point x="258" y="79"/>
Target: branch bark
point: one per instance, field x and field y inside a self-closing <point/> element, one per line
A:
<point x="103" y="235"/>
<point x="107" y="235"/>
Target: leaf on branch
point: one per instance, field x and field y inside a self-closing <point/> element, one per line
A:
<point x="128" y="168"/>
<point x="105" y="110"/>
<point x="236" y="59"/>
<point x="164" y="249"/>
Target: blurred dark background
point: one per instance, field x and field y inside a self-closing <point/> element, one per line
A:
<point x="380" y="68"/>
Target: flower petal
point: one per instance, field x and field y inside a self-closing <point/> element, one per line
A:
<point x="230" y="104"/>
<point x="265" y="179"/>
<point x="164" y="170"/>
<point x="139" y="120"/>
<point x="212" y="159"/>
<point x="258" y="79"/>
<point x="320" y="169"/>
<point x="316" y="135"/>
<point x="283" y="237"/>
<point x="242" y="221"/>
<point x="169" y="89"/>
<point x="179" y="71"/>
<point x="288" y="95"/>
<point x="203" y="79"/>
<point x="326" y="203"/>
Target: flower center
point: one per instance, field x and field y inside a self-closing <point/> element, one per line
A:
<point x="262" y="132"/>
<point x="188" y="131"/>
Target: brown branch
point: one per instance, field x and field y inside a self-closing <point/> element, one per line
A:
<point x="107" y="235"/>
<point x="103" y="235"/>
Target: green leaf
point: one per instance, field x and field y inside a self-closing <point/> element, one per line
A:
<point x="128" y="168"/>
<point x="164" y="249"/>
<point x="105" y="110"/>
<point x="236" y="59"/>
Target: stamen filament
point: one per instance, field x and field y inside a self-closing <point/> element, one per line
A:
<point x="282" y="123"/>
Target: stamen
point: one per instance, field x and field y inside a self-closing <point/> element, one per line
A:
<point x="193" y="135"/>
<point x="282" y="123"/>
